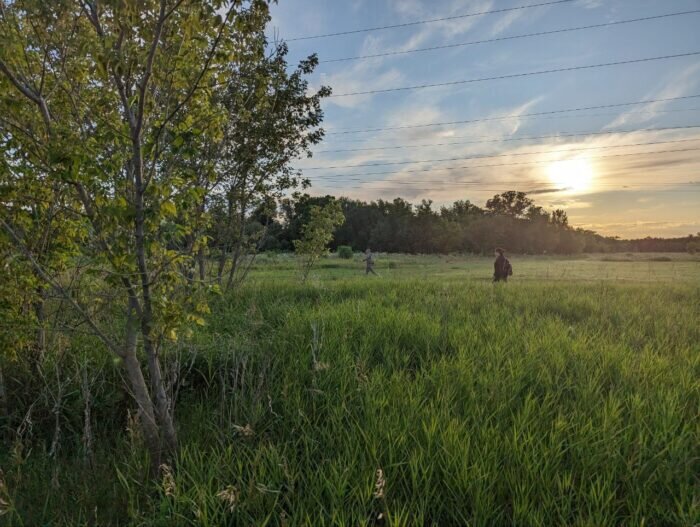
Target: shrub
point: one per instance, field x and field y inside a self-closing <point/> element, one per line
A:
<point x="345" y="252"/>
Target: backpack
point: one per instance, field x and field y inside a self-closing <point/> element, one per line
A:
<point x="507" y="268"/>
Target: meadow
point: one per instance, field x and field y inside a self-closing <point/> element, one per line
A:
<point x="425" y="396"/>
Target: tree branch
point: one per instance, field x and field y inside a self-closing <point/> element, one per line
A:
<point x="56" y="285"/>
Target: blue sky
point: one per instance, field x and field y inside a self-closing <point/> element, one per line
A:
<point x="606" y="184"/>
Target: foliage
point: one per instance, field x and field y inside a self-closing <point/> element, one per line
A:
<point x="344" y="252"/>
<point x="317" y="234"/>
<point x="509" y="203"/>
<point x="104" y="108"/>
<point x="511" y="221"/>
<point x="272" y="118"/>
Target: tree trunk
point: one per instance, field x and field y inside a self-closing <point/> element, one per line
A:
<point x="88" y="438"/>
<point x="40" y="312"/>
<point x="201" y="263"/>
<point x="3" y="399"/>
<point x="147" y="418"/>
<point x="222" y="265"/>
<point x="235" y="261"/>
<point x="163" y="413"/>
<point x="162" y="403"/>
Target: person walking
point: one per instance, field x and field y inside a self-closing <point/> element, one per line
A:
<point x="369" y="262"/>
<point x="501" y="267"/>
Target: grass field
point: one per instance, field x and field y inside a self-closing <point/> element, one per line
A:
<point x="424" y="396"/>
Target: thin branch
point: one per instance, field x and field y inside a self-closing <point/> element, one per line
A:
<point x="148" y="70"/>
<point x="66" y="295"/>
<point x="29" y="93"/>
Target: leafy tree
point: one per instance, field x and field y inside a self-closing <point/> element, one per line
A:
<point x="100" y="103"/>
<point x="398" y="226"/>
<point x="317" y="234"/>
<point x="296" y="212"/>
<point x="271" y="119"/>
<point x="345" y="252"/>
<point x="570" y="242"/>
<point x="559" y="217"/>
<point x="511" y="203"/>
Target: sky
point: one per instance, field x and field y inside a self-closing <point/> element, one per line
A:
<point x="629" y="170"/>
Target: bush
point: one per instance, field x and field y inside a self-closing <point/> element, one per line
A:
<point x="345" y="252"/>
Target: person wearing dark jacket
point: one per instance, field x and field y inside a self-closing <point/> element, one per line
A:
<point x="500" y="272"/>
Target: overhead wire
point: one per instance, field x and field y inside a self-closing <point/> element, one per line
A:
<point x="349" y="176"/>
<point x="429" y="21"/>
<point x="519" y="75"/>
<point x="513" y="37"/>
<point x="484" y="156"/>
<point x="511" y="139"/>
<point x="517" y="116"/>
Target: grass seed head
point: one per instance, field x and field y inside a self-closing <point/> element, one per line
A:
<point x="230" y="496"/>
<point x="4" y="495"/>
<point x="245" y="431"/>
<point x="321" y="366"/>
<point x="168" y="482"/>
<point x="132" y="426"/>
<point x="379" y="485"/>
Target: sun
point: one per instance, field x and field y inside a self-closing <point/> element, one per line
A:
<point x="574" y="175"/>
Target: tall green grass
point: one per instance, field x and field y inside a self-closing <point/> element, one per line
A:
<point x="527" y="403"/>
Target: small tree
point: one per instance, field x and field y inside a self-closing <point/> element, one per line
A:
<point x="100" y="106"/>
<point x="345" y="252"/>
<point x="272" y="117"/>
<point x="509" y="203"/>
<point x="317" y="234"/>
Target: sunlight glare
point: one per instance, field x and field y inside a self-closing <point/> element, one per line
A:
<point x="574" y="175"/>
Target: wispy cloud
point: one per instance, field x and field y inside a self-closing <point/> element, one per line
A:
<point x="678" y="85"/>
<point x="362" y="76"/>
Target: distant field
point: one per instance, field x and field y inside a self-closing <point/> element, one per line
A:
<point x="623" y="267"/>
<point x="568" y="396"/>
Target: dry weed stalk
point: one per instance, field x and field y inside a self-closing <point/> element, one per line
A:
<point x="230" y="496"/>
<point x="168" y="480"/>
<point x="4" y="496"/>
<point x="245" y="431"/>
<point x="379" y="485"/>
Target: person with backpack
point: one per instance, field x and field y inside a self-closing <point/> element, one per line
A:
<point x="501" y="267"/>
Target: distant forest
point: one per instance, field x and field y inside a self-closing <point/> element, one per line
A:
<point x="510" y="220"/>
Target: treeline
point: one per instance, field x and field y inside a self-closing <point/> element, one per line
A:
<point x="511" y="220"/>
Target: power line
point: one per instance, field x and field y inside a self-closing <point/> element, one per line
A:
<point x="485" y="156"/>
<point x="535" y="190"/>
<point x="429" y="21"/>
<point x="356" y="177"/>
<point x="374" y="140"/>
<point x="513" y="116"/>
<point x="510" y="139"/>
<point x="519" y="75"/>
<point x="513" y="37"/>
